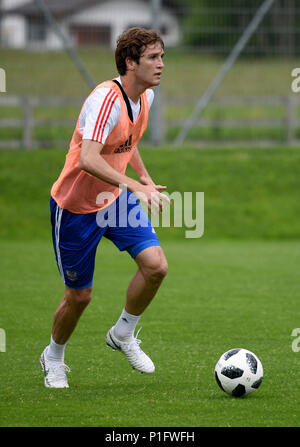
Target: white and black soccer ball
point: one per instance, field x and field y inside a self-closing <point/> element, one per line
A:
<point x="238" y="372"/>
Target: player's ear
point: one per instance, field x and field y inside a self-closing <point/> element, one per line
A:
<point x="130" y="63"/>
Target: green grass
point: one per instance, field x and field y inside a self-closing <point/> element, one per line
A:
<point x="218" y="295"/>
<point x="237" y="286"/>
<point x="249" y="193"/>
<point x="43" y="73"/>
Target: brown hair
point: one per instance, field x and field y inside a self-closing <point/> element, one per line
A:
<point x="131" y="43"/>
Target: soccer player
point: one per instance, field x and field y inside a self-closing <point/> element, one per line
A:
<point x="92" y="184"/>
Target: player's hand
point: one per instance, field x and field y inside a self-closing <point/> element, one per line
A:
<point x="148" y="181"/>
<point x="150" y="195"/>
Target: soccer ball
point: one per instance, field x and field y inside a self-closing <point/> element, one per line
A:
<point x="238" y="372"/>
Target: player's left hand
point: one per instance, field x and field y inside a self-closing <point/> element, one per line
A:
<point x="148" y="181"/>
<point x="157" y="200"/>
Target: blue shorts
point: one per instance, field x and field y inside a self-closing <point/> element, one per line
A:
<point x="76" y="236"/>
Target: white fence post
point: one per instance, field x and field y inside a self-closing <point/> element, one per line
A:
<point x="290" y="119"/>
<point x="156" y="125"/>
<point x="28" y="123"/>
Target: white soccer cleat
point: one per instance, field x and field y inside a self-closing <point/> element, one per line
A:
<point x="136" y="357"/>
<point x="54" y="372"/>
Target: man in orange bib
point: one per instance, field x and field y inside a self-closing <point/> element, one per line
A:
<point x="92" y="187"/>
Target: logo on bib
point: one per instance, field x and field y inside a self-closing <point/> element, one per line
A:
<point x="125" y="147"/>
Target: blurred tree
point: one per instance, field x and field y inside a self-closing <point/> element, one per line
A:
<point x="216" y="25"/>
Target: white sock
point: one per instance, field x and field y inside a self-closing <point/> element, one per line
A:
<point x="125" y="326"/>
<point x="55" y="351"/>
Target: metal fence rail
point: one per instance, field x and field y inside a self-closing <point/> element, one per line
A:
<point x="29" y="123"/>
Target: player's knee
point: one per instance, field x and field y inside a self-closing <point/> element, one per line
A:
<point x="157" y="271"/>
<point x="79" y="297"/>
<point x="163" y="268"/>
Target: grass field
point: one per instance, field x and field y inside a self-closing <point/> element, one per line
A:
<point x="217" y="296"/>
<point x="237" y="286"/>
<point x="249" y="193"/>
<point x="52" y="73"/>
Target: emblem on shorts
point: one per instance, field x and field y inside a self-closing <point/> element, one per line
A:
<point x="71" y="275"/>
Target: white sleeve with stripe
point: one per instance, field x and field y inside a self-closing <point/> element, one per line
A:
<point x="101" y="112"/>
<point x="150" y="96"/>
<point x="99" y="115"/>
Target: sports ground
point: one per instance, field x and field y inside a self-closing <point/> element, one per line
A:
<point x="236" y="286"/>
